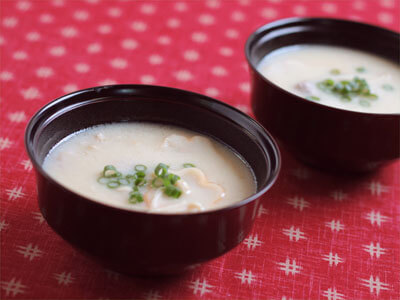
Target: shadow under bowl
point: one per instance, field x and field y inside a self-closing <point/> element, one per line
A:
<point x="325" y="137"/>
<point x="141" y="243"/>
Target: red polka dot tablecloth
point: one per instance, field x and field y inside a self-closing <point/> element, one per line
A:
<point x="316" y="236"/>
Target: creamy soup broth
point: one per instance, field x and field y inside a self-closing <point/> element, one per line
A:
<point x="213" y="176"/>
<point x="314" y="72"/>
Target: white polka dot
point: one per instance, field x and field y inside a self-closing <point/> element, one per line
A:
<point x="129" y="44"/>
<point x="81" y="15"/>
<point x="244" y="2"/>
<point x="94" y="48"/>
<point x="44" y="72"/>
<point x="232" y="33"/>
<point x="191" y="55"/>
<point x="206" y="19"/>
<point x="245" y="87"/>
<point x="58" y="3"/>
<point x="355" y="18"/>
<point x="104" y="29"/>
<point x="387" y="3"/>
<point x="164" y="40"/>
<point x="173" y="23"/>
<point x="6" y="76"/>
<point x="238" y="16"/>
<point x="329" y="8"/>
<point x="199" y="37"/>
<point x="114" y="12"/>
<point x="226" y="51"/>
<point x="139" y="26"/>
<point x="20" y="55"/>
<point x="299" y="10"/>
<point x="183" y="75"/>
<point x="269" y="13"/>
<point x="244" y="108"/>
<point x="219" y="71"/>
<point x="213" y="4"/>
<point x="180" y="6"/>
<point x="30" y="93"/>
<point x="69" y="88"/>
<point x="46" y="18"/>
<point x="82" y="68"/>
<point x="147" y="79"/>
<point x="23" y="5"/>
<point x="32" y="36"/>
<point x="57" y="51"/>
<point x="211" y="91"/>
<point x="118" y="63"/>
<point x="156" y="59"/>
<point x="69" y="32"/>
<point x="10" y="22"/>
<point x="385" y="17"/>
<point x="107" y="82"/>
<point x="147" y="9"/>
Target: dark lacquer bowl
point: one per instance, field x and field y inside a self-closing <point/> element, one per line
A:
<point x="138" y="242"/>
<point x="322" y="136"/>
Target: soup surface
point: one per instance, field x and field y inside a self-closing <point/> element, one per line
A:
<point x="336" y="76"/>
<point x="150" y="167"/>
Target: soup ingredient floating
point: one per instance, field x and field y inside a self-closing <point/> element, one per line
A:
<point x="149" y="167"/>
<point x="336" y="76"/>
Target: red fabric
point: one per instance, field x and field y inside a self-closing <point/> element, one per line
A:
<point x="338" y="237"/>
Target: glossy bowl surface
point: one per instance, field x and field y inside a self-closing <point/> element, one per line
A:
<point x="138" y="242"/>
<point x="325" y="137"/>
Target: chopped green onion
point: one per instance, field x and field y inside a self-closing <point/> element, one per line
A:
<point x="102" y="180"/>
<point x="172" y="191"/>
<point x="387" y="87"/>
<point x="161" y="170"/>
<point x="140" y="174"/>
<point x="135" y="197"/>
<point x="113" y="184"/>
<point x="110" y="171"/>
<point x="365" y="103"/>
<point x="314" y="98"/>
<point x="157" y="182"/>
<point x="140" y="168"/>
<point x="361" y="69"/>
<point x="189" y="165"/>
<point x="140" y="182"/>
<point x="371" y="96"/>
<point x="123" y="181"/>
<point x="335" y="72"/>
<point x="173" y="178"/>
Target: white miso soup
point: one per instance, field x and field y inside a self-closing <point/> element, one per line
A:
<point x="336" y="76"/>
<point x="150" y="167"/>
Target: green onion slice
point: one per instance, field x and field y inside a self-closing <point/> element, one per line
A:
<point x="361" y="69"/>
<point x="140" y="168"/>
<point x="189" y="165"/>
<point x="140" y="174"/>
<point x="102" y="180"/>
<point x="113" y="184"/>
<point x="135" y="197"/>
<point x="140" y="182"/>
<point x="172" y="191"/>
<point x="110" y="171"/>
<point x="161" y="170"/>
<point x="157" y="182"/>
<point x="173" y="178"/>
<point x="335" y="72"/>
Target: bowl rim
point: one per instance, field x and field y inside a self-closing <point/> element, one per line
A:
<point x="255" y="35"/>
<point x="30" y="132"/>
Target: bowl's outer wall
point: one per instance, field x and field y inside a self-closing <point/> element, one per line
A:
<point x="141" y="243"/>
<point x="319" y="135"/>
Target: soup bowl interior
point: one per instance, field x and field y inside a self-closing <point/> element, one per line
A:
<point x="139" y="242"/>
<point x="326" y="137"/>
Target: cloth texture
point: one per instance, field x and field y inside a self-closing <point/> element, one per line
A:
<point x="316" y="235"/>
